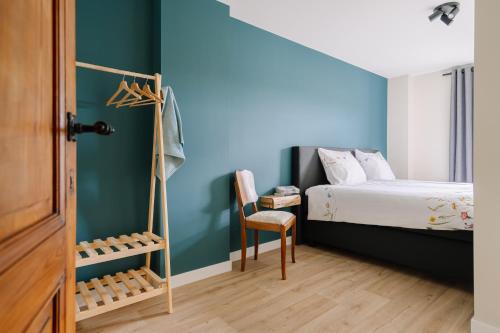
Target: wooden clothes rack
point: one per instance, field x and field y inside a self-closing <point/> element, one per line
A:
<point x="100" y="295"/>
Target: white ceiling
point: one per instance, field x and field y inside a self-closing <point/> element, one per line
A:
<point x="388" y="37"/>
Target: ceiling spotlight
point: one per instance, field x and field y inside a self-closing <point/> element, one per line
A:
<point x="448" y="11"/>
<point x="446" y="19"/>
<point x="454" y="11"/>
<point x="434" y="15"/>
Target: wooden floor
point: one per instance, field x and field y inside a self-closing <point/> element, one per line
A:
<point x="326" y="291"/>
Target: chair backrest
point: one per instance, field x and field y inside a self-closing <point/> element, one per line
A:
<point x="245" y="187"/>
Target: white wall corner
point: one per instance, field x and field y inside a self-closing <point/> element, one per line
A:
<point x="477" y="326"/>
<point x="264" y="247"/>
<point x="201" y="273"/>
<point x="397" y="125"/>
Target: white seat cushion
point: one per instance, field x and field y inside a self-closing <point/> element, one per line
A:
<point x="271" y="216"/>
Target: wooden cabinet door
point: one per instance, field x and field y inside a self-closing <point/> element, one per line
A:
<point x="37" y="166"/>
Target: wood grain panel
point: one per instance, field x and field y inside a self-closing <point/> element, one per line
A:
<point x="27" y="147"/>
<point x="37" y="202"/>
<point x="43" y="323"/>
<point x="27" y="285"/>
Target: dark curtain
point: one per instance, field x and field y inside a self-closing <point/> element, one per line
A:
<point x="462" y="129"/>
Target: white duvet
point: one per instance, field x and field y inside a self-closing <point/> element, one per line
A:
<point x="395" y="203"/>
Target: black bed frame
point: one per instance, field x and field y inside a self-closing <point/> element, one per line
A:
<point x="444" y="254"/>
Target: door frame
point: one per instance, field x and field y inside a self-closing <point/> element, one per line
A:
<point x="68" y="103"/>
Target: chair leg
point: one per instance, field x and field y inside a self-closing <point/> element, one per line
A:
<point x="256" y="243"/>
<point x="283" y="253"/>
<point x="243" y="248"/>
<point x="294" y="237"/>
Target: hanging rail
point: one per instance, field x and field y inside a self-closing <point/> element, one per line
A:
<point x="113" y="70"/>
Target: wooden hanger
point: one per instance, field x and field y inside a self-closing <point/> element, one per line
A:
<point x="146" y="103"/>
<point x="127" y="100"/>
<point x="153" y="99"/>
<point x="144" y="92"/>
<point x="123" y="86"/>
<point x="148" y="91"/>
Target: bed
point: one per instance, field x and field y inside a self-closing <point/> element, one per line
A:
<point x="436" y="242"/>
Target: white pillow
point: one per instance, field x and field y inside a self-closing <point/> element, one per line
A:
<point x="375" y="166"/>
<point x="341" y="167"/>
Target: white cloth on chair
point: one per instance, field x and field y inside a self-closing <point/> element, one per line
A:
<point x="247" y="189"/>
<point x="271" y="216"/>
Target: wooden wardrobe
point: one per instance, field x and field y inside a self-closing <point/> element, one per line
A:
<point x="37" y="166"/>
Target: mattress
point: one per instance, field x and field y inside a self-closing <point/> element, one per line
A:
<point x="395" y="203"/>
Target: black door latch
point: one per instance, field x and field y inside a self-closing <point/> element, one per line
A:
<point x="99" y="127"/>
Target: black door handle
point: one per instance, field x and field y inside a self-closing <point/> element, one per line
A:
<point x="99" y="127"/>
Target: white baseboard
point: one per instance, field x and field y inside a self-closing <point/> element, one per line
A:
<point x="264" y="247"/>
<point x="477" y="326"/>
<point x="200" y="274"/>
<point x="223" y="267"/>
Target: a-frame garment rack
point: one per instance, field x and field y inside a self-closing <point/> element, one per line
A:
<point x="104" y="294"/>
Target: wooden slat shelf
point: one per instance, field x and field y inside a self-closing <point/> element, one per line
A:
<point x="116" y="248"/>
<point x="112" y="292"/>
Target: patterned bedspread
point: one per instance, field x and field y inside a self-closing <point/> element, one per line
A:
<point x="396" y="203"/>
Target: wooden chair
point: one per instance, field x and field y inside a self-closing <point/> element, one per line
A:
<point x="269" y="220"/>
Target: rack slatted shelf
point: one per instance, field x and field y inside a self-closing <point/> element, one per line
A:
<point x="116" y="248"/>
<point x="112" y="292"/>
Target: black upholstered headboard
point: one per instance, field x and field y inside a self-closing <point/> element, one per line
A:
<point x="307" y="171"/>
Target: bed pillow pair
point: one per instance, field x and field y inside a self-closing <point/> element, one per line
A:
<point x="342" y="168"/>
<point x="375" y="166"/>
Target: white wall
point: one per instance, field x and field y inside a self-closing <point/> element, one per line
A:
<point x="429" y="127"/>
<point x="486" y="161"/>
<point x="418" y="126"/>
<point x="397" y="125"/>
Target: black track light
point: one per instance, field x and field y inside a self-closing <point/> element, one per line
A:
<point x="448" y="11"/>
<point x="454" y="12"/>
<point x="446" y="20"/>
<point x="434" y="15"/>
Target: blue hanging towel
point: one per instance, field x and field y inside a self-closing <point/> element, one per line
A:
<point x="173" y="140"/>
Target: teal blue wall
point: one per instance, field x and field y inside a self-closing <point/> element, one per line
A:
<point x="113" y="172"/>
<point x="246" y="96"/>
